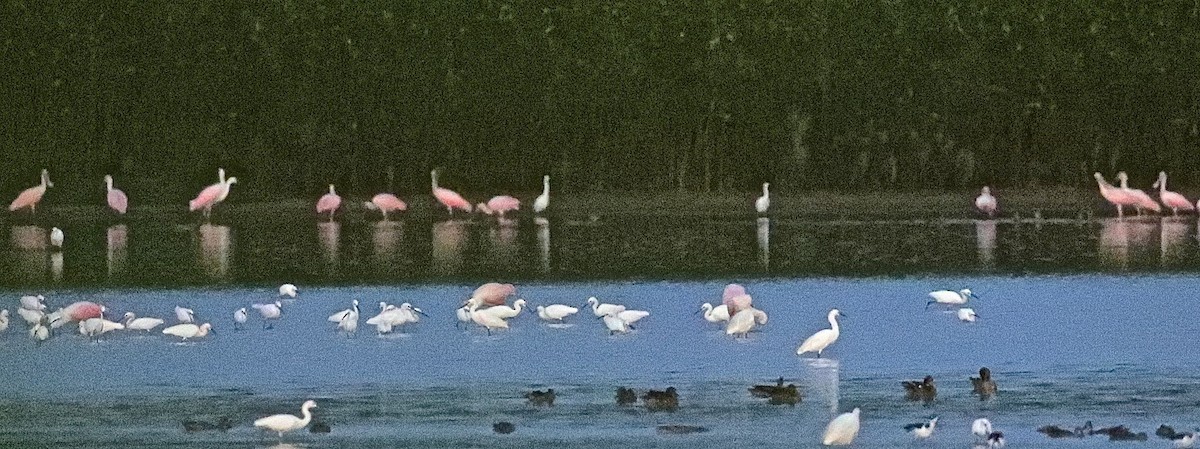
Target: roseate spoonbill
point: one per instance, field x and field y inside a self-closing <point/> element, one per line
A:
<point x="288" y="290"/>
<point x="950" y="297"/>
<point x="188" y="330"/>
<point x="632" y="316"/>
<point x="505" y="312"/>
<point x="615" y="325"/>
<point x="491" y="294"/>
<point x="286" y="423"/>
<point x="1173" y="200"/>
<point x="985" y="203"/>
<point x="32" y="302"/>
<point x="82" y="310"/>
<point x="740" y="324"/>
<point x="56" y="237"/>
<point x="449" y="198"/>
<point x="543" y="201"/>
<point x="212" y="195"/>
<point x="967" y="314"/>
<point x="922" y="430"/>
<point x="133" y="323"/>
<point x="983" y="385"/>
<point x="184" y="314"/>
<point x="329" y="202"/>
<point x="487" y="320"/>
<point x="763" y="202"/>
<point x="1142" y="200"/>
<point x="386" y="202"/>
<point x="1114" y="195"/>
<point x="341" y="314"/>
<point x="981" y="428"/>
<point x="32" y="196"/>
<point x="823" y="338"/>
<point x="842" y="430"/>
<point x="117" y="199"/>
<point x="3" y="320"/>
<point x="502" y="204"/>
<point x="270" y="312"/>
<point x="555" y="312"/>
<point x="715" y="314"/>
<point x="240" y="316"/>
<point x="738" y="303"/>
<point x="604" y="309"/>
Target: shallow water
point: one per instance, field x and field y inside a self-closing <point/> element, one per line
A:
<point x="1114" y="349"/>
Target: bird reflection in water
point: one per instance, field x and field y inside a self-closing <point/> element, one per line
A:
<point x="215" y="243"/>
<point x="822" y="380"/>
<point x="56" y="265"/>
<point x="1119" y="238"/>
<point x="116" y="249"/>
<point x="385" y="239"/>
<point x="504" y="249"/>
<point x="449" y="240"/>
<point x="31" y="256"/>
<point x="985" y="242"/>
<point x="329" y="232"/>
<point x="764" y="242"/>
<point x="543" y="240"/>
<point x="1172" y="236"/>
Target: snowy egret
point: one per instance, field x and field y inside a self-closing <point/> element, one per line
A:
<point x="983" y="385"/>
<point x="270" y="312"/>
<point x="823" y="338"/>
<point x="967" y="314"/>
<point x="922" y="430"/>
<point x="506" y="312"/>
<point x="763" y="202"/>
<point x="632" y="316"/>
<point x="39" y="332"/>
<point x="240" y="316"/>
<point x="94" y="327"/>
<point x="188" y="330"/>
<point x="950" y="297"/>
<point x="349" y="321"/>
<point x="543" y="201"/>
<point x="284" y="422"/>
<point x="615" y="325"/>
<point x="604" y="309"/>
<point x="922" y="390"/>
<point x="715" y="314"/>
<point x="288" y="290"/>
<point x="133" y="323"/>
<point x="33" y="302"/>
<point x="981" y="428"/>
<point x="741" y="324"/>
<point x="184" y="315"/>
<point x="555" y="312"/>
<point x="337" y="317"/>
<point x="464" y="315"/>
<point x="1185" y="440"/>
<point x="3" y="320"/>
<point x="31" y="317"/>
<point x="56" y="237"/>
<point x="487" y="320"/>
<point x="842" y="429"/>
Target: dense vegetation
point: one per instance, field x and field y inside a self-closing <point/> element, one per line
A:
<point x="711" y="95"/>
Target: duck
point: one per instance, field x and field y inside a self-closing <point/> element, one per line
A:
<point x="504" y="428"/>
<point x="626" y="396"/>
<point x="679" y="429"/>
<point x="1121" y="433"/>
<point x="984" y="386"/>
<point x="777" y="394"/>
<point x="1054" y="431"/>
<point x="538" y="397"/>
<point x="667" y="400"/>
<point x="923" y="390"/>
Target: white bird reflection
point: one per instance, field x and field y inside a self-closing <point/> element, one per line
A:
<point x="215" y="243"/>
<point x="56" y="265"/>
<point x="504" y="249"/>
<point x="31" y="245"/>
<point x="985" y="242"/>
<point x="543" y="239"/>
<point x="1171" y="241"/>
<point x="385" y="239"/>
<point x="329" y="232"/>
<point x="822" y="380"/>
<point x="764" y="242"/>
<point x="117" y="235"/>
<point x="449" y="240"/>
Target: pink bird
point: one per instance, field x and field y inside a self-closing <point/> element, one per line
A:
<point x="499" y="205"/>
<point x="985" y="202"/>
<point x="1173" y="200"/>
<point x="329" y="202"/>
<point x="1143" y="201"/>
<point x="449" y="198"/>
<point x="492" y="294"/>
<point x="212" y="194"/>
<point x="735" y="298"/>
<point x="116" y="198"/>
<point x="386" y="202"/>
<point x="82" y="310"/>
<point x="1116" y="196"/>
<point x="31" y="196"/>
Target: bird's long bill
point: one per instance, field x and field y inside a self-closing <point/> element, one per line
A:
<point x="419" y="311"/>
<point x="843" y="314"/>
<point x="973" y="295"/>
<point x="697" y="312"/>
<point x="928" y="303"/>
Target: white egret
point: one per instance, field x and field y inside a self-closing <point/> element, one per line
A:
<point x="31" y="317"/>
<point x="604" y="309"/>
<point x="823" y="338"/>
<point x="950" y="297"/>
<point x="337" y="317"/>
<point x="184" y="315"/>
<point x="1185" y="440"/>
<point x="487" y="320"/>
<point x="349" y="321"/>
<point x="288" y="290"/>
<point x="383" y="320"/>
<point x="284" y="422"/>
<point x="464" y="315"/>
<point x="56" y="237"/>
<point x="543" y="201"/>
<point x="506" y="312"/>
<point x="922" y="430"/>
<point x="715" y="314"/>
<point x="615" y="325"/>
<point x="842" y="429"/>
<point x="741" y="324"/>
<point x="133" y="323"/>
<point x="33" y="302"/>
<point x="240" y="316"/>
<point x="632" y="316"/>
<point x="188" y="330"/>
<point x="763" y="202"/>
<point x="981" y="428"/>
<point x="555" y="312"/>
<point x="39" y="332"/>
<point x="3" y="320"/>
<point x="270" y="312"/>
<point x="967" y="314"/>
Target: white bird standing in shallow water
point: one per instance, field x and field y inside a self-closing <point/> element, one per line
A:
<point x="464" y="315"/>
<point x="506" y="312"/>
<point x="824" y="337"/>
<point x="33" y="302"/>
<point x="270" y="312"/>
<point x="981" y="428"/>
<point x="967" y="314"/>
<point x="842" y="430"/>
<point x="184" y="315"/>
<point x="741" y="324"/>
<point x="632" y="316"/>
<point x="763" y="202"/>
<point x="337" y="317"/>
<point x="188" y="330"/>
<point x="3" y="320"/>
<point x="487" y="320"/>
<point x="288" y="290"/>
<point x="922" y="430"/>
<point x="285" y="422"/>
<point x="615" y="325"/>
<point x="56" y="237"/>
<point x="950" y="297"/>
<point x="555" y="312"/>
<point x="543" y="201"/>
<point x="132" y="322"/>
<point x="349" y="321"/>
<point x="715" y="314"/>
<point x="240" y="316"/>
<point x="604" y="309"/>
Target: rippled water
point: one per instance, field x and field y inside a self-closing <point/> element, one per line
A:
<point x="1114" y="349"/>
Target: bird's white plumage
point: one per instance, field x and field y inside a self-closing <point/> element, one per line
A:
<point x="3" y="320"/>
<point x="715" y="314"/>
<point x="543" y="201"/>
<point x="288" y="290"/>
<point x="632" y="316"/>
<point x="823" y="338"/>
<point x="94" y="327"/>
<point x="925" y="431"/>
<point x="286" y="422"/>
<point x="56" y="237"/>
<point x="763" y="202"/>
<point x="133" y="323"/>
<point x="951" y="296"/>
<point x="615" y="325"/>
<point x="981" y="427"/>
<point x="601" y="309"/>
<point x="555" y="312"/>
<point x="31" y="302"/>
<point x="269" y="311"/>
<point x="337" y="317"/>
<point x="188" y="330"/>
<point x="505" y="312"/>
<point x="184" y="314"/>
<point x="240" y="316"/>
<point x="30" y="316"/>
<point x="967" y="314"/>
<point x="487" y="320"/>
<point x="842" y="429"/>
<point x="741" y="323"/>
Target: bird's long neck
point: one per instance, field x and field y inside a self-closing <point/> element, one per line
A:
<point x="433" y="180"/>
<point x="766" y="192"/>
<point x="833" y="323"/>
<point x="331" y="192"/>
<point x="45" y="179"/>
<point x="1124" y="182"/>
<point x="108" y="181"/>
<point x="546" y="186"/>
<point x="1162" y="183"/>
<point x="221" y="175"/>
<point x="307" y="416"/>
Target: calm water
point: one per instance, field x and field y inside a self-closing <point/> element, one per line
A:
<point x="1098" y="324"/>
